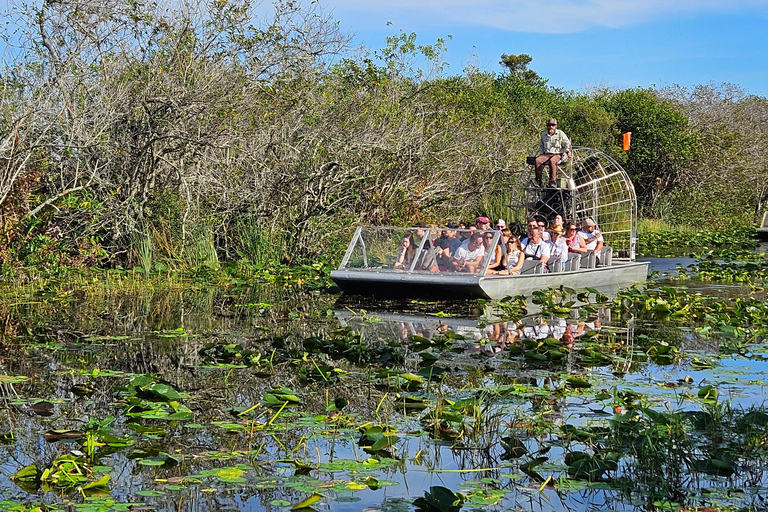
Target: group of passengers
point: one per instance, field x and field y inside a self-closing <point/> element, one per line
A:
<point x="462" y="247"/>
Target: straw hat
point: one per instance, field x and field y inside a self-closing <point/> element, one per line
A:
<point x="557" y="228"/>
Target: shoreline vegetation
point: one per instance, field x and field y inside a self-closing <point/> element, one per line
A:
<point x="208" y="137"/>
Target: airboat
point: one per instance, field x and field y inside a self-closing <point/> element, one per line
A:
<point x="590" y="185"/>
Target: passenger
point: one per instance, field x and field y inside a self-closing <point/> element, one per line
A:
<point x="463" y="235"/>
<point x="469" y="257"/>
<point x="483" y="223"/>
<point x="553" y="145"/>
<point x="558" y="248"/>
<point x="446" y="246"/>
<point x="500" y="225"/>
<point x="428" y="255"/>
<point x="558" y="221"/>
<point x="515" y="255"/>
<point x="534" y="247"/>
<point x="591" y="235"/>
<point x="405" y="258"/>
<point x="498" y="261"/>
<point x="574" y="240"/>
<point x="543" y="228"/>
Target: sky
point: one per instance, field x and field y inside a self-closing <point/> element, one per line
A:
<point x="580" y="45"/>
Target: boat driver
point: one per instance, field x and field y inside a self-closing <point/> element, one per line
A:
<point x="553" y="146"/>
<point x="534" y="246"/>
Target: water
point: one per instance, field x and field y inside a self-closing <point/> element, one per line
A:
<point x="226" y="350"/>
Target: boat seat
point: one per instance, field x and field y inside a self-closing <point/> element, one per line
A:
<point x="573" y="262"/>
<point x="605" y="257"/>
<point x="555" y="265"/>
<point x="588" y="260"/>
<point x="532" y="267"/>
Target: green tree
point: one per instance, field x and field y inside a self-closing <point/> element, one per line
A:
<point x="663" y="141"/>
<point x="517" y="65"/>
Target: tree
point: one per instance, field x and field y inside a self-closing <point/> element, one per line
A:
<point x="517" y="65"/>
<point x="663" y="141"/>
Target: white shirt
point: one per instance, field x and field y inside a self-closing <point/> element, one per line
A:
<point x="559" y="249"/>
<point x="591" y="245"/>
<point x="535" y="251"/>
<point x="463" y="252"/>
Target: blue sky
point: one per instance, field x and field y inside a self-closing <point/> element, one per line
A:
<point x="583" y="44"/>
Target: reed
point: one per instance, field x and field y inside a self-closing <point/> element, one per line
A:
<point x="201" y="248"/>
<point x="258" y="245"/>
<point x="145" y="250"/>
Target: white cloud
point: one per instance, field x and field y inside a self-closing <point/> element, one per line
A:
<point x="555" y="16"/>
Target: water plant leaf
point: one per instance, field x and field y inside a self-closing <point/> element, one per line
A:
<point x="411" y="403"/>
<point x="714" y="466"/>
<point x="42" y="408"/>
<point x="513" y="448"/>
<point x="578" y="382"/>
<point x="162" y="391"/>
<point x="306" y="503"/>
<point x="438" y="499"/>
<point x="57" y="435"/>
<point x="29" y="473"/>
<point x="708" y="392"/>
<point x="97" y="484"/>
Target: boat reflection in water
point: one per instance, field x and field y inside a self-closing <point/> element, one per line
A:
<point x="485" y="331"/>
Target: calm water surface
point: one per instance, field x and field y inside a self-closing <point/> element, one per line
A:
<point x="225" y="351"/>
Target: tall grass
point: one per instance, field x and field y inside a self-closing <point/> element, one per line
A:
<point x="647" y="226"/>
<point x="145" y="250"/>
<point x="257" y="244"/>
<point x="201" y="248"/>
<point x="500" y="205"/>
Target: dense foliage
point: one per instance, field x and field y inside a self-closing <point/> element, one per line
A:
<point x="197" y="132"/>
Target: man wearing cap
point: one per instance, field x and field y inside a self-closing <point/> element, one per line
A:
<point x="553" y="145"/>
<point x="500" y="225"/>
<point x="483" y="223"/>
<point x="591" y="235"/>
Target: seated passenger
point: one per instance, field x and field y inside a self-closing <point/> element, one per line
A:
<point x="405" y="258"/>
<point x="498" y="259"/>
<point x="534" y="247"/>
<point x="574" y="240"/>
<point x="515" y="255"/>
<point x="558" y="246"/>
<point x="446" y="246"/>
<point x="591" y="235"/>
<point x="483" y="223"/>
<point x="428" y="255"/>
<point x="543" y="227"/>
<point x="469" y="257"/>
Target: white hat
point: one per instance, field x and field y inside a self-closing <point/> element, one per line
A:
<point x="501" y="223"/>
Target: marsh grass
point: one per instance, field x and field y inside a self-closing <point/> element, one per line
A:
<point x="145" y="250"/>
<point x="201" y="248"/>
<point x="499" y="205"/>
<point x="659" y="238"/>
<point x="258" y="245"/>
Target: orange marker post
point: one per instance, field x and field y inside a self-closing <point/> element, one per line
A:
<point x="626" y="140"/>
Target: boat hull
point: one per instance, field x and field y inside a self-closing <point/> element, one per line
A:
<point x="388" y="284"/>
